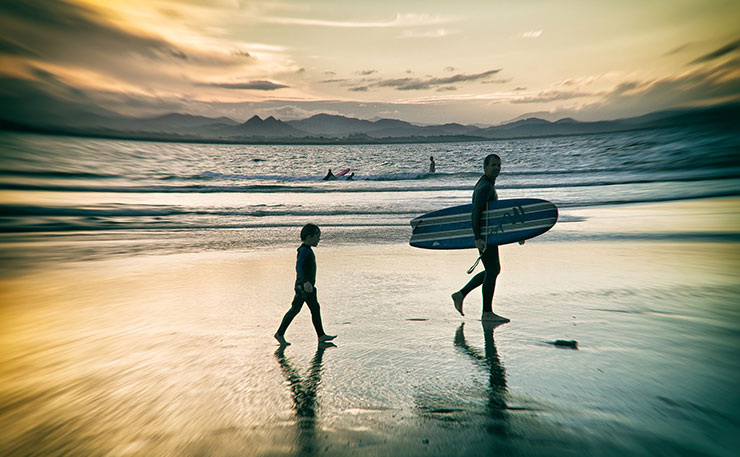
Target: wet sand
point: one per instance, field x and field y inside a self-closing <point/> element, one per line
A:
<point x="173" y="355"/>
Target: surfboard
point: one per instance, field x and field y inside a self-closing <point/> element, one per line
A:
<point x="342" y="173"/>
<point x="504" y="222"/>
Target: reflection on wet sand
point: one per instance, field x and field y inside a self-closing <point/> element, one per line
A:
<point x="303" y="392"/>
<point x="489" y="361"/>
<point x="494" y="415"/>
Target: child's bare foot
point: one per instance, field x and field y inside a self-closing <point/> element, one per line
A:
<point x="281" y="339"/>
<point x="493" y="317"/>
<point x="325" y="338"/>
<point x="457" y="300"/>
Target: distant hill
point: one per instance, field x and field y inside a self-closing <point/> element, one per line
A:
<point x="726" y="115"/>
<point x="177" y="121"/>
<point x="258" y="127"/>
<point x="333" y="125"/>
<point x="341" y="126"/>
<point x="21" y="109"/>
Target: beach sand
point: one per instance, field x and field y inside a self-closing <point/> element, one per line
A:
<point x="173" y="355"/>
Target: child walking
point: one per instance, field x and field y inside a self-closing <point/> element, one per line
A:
<point x="305" y="286"/>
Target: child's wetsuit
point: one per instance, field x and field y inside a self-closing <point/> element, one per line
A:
<point x="305" y="268"/>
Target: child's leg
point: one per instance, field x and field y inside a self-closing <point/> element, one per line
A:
<point x="313" y="305"/>
<point x="295" y="308"/>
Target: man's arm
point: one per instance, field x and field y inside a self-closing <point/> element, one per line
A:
<point x="480" y="201"/>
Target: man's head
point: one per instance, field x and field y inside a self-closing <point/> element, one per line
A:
<point x="311" y="234"/>
<point x="492" y="166"/>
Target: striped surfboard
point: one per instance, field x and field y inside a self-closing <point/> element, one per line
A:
<point x="505" y="221"/>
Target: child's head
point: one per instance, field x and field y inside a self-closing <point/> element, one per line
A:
<point x="310" y="232"/>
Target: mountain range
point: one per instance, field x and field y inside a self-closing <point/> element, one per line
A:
<point x="327" y="128"/>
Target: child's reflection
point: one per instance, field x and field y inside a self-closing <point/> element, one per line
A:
<point x="303" y="391"/>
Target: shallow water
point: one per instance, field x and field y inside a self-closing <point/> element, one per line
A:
<point x="67" y="185"/>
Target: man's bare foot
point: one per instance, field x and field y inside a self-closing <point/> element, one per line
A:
<point x="326" y="338"/>
<point x="493" y="317"/>
<point x="281" y="339"/>
<point x="457" y="300"/>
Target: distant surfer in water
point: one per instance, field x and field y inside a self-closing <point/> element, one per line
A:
<point x="329" y="176"/>
<point x="485" y="191"/>
<point x="432" y="164"/>
<point x="305" y="289"/>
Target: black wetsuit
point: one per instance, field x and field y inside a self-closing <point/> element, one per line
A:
<point x="484" y="192"/>
<point x="305" y="268"/>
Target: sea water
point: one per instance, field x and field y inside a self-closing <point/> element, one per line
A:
<point x="137" y="196"/>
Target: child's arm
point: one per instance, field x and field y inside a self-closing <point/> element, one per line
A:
<point x="302" y="256"/>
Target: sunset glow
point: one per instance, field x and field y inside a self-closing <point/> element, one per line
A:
<point x="435" y="62"/>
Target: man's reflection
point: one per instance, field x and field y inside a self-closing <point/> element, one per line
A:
<point x="303" y="391"/>
<point x="489" y="361"/>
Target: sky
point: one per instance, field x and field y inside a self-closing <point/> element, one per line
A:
<point x="427" y="62"/>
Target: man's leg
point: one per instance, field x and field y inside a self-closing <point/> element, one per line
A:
<point x="459" y="296"/>
<point x="474" y="282"/>
<point x="492" y="266"/>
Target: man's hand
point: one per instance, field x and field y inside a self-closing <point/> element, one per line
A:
<point x="480" y="244"/>
<point x="308" y="287"/>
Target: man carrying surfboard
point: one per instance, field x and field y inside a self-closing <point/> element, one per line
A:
<point x="485" y="191"/>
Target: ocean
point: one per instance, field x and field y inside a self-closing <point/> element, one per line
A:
<point x="139" y="196"/>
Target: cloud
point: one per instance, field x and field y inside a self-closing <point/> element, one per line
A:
<point x="436" y="33"/>
<point x="531" y="34"/>
<point x="711" y="83"/>
<point x="704" y="86"/>
<point x="548" y="96"/>
<point x="250" y="85"/>
<point x="10" y="47"/>
<point x="366" y="72"/>
<point x="419" y="83"/>
<point x="401" y="20"/>
<point x="497" y="81"/>
<point x="59" y="31"/>
<point x="723" y="51"/>
<point x="85" y="48"/>
<point x="678" y="49"/>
